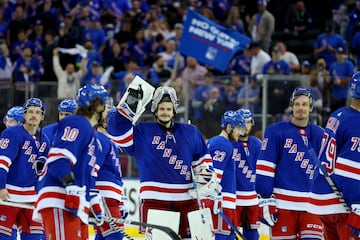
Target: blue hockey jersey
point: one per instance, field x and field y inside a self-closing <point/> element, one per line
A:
<point x="18" y="151"/>
<point x="245" y="157"/>
<point x="164" y="157"/>
<point x="108" y="180"/>
<point x="340" y="157"/>
<point x="74" y="150"/>
<point x="221" y="150"/>
<point x="50" y="130"/>
<point x="285" y="167"/>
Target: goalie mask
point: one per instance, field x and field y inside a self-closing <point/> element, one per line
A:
<point x="164" y="94"/>
<point x="355" y="85"/>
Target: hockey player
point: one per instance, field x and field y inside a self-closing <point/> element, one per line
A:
<point x="66" y="107"/>
<point x="21" y="145"/>
<point x="246" y="152"/>
<point x="340" y="158"/>
<point x="221" y="150"/>
<point x="14" y="116"/>
<point x="285" y="171"/>
<point x="165" y="152"/>
<point x="64" y="197"/>
<point x="109" y="183"/>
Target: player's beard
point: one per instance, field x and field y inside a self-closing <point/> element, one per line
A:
<point x="232" y="137"/>
<point x="165" y="123"/>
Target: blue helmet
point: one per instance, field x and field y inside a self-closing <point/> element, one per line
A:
<point x="16" y="113"/>
<point x="301" y="91"/>
<point x="88" y="93"/>
<point x="233" y="118"/>
<point x="67" y="105"/>
<point x="355" y="85"/>
<point x="36" y="102"/>
<point x="246" y="114"/>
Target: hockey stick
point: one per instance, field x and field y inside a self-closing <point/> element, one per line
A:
<point x="171" y="233"/>
<point x="197" y="196"/>
<point x="328" y="179"/>
<point x="16" y="204"/>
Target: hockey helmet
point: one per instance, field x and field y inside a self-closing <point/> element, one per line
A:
<point x="159" y="95"/>
<point x="355" y="85"/>
<point x="67" y="105"/>
<point x="299" y="92"/>
<point x="89" y="92"/>
<point x="246" y="114"/>
<point x="36" y="102"/>
<point x="233" y="118"/>
<point x="16" y="113"/>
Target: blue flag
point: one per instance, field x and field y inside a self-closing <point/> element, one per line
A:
<point x="210" y="43"/>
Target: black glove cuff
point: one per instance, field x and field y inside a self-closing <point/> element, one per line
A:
<point x="68" y="179"/>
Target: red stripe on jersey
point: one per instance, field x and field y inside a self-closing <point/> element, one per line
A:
<point x="229" y="199"/>
<point x="21" y="192"/>
<point x="265" y="168"/>
<point x="254" y="196"/>
<point x="160" y="189"/>
<point x="55" y="155"/>
<point x="324" y="202"/>
<point x="109" y="188"/>
<point x="291" y="198"/>
<point x="348" y="168"/>
<point x="123" y="141"/>
<point x="5" y="163"/>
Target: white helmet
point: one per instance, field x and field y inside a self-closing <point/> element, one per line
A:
<point x="159" y="94"/>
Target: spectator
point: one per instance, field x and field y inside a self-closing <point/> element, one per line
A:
<point x="259" y="58"/>
<point x="340" y="74"/>
<point x="27" y="72"/>
<point x="212" y="110"/>
<point x="3" y="29"/>
<point x="139" y="48"/>
<point x="96" y="35"/>
<point x="47" y="13"/>
<point x="16" y="24"/>
<point x="327" y="43"/>
<point x="289" y="57"/>
<point x="94" y="75"/>
<point x="262" y="26"/>
<point x="158" y="74"/>
<point x="298" y="20"/>
<point x="115" y="58"/>
<point x="276" y="65"/>
<point x="249" y="96"/>
<point x="234" y="21"/>
<point x="201" y="94"/>
<point x="68" y="79"/>
<point x="193" y="74"/>
<point x="355" y="46"/>
<point x="170" y="55"/>
<point x="232" y="89"/>
<point x="18" y="47"/>
<point x="47" y="56"/>
<point x="241" y="64"/>
<point x="319" y="78"/>
<point x="176" y="35"/>
<point x="6" y="66"/>
<point x="38" y="38"/>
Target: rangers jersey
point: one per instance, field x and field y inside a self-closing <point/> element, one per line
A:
<point x="50" y="130"/>
<point x="18" y="151"/>
<point x="340" y="157"/>
<point x="221" y="150"/>
<point x="245" y="156"/>
<point x="108" y="180"/>
<point x="74" y="150"/>
<point x="164" y="157"/>
<point x="285" y="167"/>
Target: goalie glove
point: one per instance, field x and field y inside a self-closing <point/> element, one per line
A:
<point x="353" y="221"/>
<point x="97" y="211"/>
<point x="268" y="210"/>
<point x="75" y="198"/>
<point x="210" y="189"/>
<point x="132" y="104"/>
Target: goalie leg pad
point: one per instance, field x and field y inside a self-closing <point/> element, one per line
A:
<point x="163" y="218"/>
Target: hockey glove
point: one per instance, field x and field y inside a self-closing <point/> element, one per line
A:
<point x="353" y="221"/>
<point x="38" y="165"/>
<point x="124" y="207"/>
<point x="268" y="210"/>
<point x="211" y="189"/>
<point x="96" y="208"/>
<point x="75" y="198"/>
